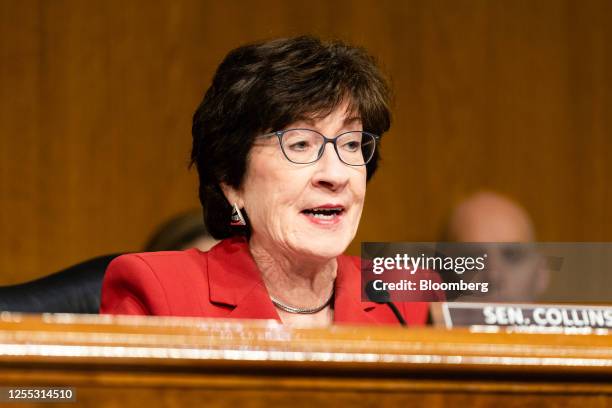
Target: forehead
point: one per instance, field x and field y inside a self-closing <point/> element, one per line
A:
<point x="344" y="114"/>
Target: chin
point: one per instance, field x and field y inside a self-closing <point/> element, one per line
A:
<point x="324" y="245"/>
<point x="324" y="239"/>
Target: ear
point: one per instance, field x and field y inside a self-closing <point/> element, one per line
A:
<point x="232" y="194"/>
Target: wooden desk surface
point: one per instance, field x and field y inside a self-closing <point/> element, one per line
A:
<point x="131" y="361"/>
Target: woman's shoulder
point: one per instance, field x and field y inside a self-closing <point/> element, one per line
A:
<point x="150" y="282"/>
<point x="161" y="259"/>
<point x="165" y="274"/>
<point x="164" y="283"/>
<point x="160" y="266"/>
<point x="174" y="262"/>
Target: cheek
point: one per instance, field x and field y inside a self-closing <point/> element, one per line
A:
<point x="269" y="187"/>
<point x="261" y="194"/>
<point x="359" y="187"/>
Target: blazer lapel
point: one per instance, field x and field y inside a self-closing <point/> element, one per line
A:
<point x="255" y="305"/>
<point x="348" y="307"/>
<point x="235" y="280"/>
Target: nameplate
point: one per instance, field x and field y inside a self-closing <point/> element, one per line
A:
<point x="528" y="317"/>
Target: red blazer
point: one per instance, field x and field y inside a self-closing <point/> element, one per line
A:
<point x="225" y="282"/>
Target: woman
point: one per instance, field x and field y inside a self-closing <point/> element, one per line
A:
<point x="284" y="142"/>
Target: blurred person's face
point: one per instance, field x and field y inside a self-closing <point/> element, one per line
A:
<point x="310" y="210"/>
<point x="516" y="273"/>
<point x="483" y="223"/>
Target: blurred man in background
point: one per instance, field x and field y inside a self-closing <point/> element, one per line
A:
<point x="516" y="272"/>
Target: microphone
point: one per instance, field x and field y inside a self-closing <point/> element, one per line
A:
<point x="382" y="296"/>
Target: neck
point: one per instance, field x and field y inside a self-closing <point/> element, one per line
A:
<point x="299" y="281"/>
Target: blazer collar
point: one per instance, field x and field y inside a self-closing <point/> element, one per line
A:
<point x="235" y="280"/>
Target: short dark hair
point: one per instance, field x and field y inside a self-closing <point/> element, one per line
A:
<point x="265" y="87"/>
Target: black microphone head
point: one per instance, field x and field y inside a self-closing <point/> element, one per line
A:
<point x="378" y="296"/>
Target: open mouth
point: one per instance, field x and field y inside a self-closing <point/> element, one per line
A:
<point x="324" y="213"/>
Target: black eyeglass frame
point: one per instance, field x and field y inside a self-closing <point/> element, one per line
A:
<point x="280" y="133"/>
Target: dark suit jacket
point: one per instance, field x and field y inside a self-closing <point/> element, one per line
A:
<point x="225" y="282"/>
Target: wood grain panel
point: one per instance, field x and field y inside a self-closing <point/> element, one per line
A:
<point x="96" y="100"/>
<point x="130" y="361"/>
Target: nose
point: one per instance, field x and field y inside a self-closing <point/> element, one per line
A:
<point x="330" y="172"/>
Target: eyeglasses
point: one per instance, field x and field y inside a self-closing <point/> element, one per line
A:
<point x="305" y="146"/>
